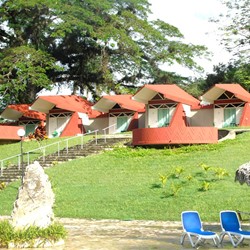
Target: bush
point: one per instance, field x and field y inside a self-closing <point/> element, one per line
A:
<point x="8" y="234"/>
<point x="2" y="185"/>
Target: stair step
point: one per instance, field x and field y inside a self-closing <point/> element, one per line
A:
<point x="12" y="173"/>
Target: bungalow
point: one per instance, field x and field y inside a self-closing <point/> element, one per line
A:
<point x="168" y="117"/>
<point x="66" y="115"/>
<point x="21" y="115"/>
<point x="161" y="102"/>
<point x="229" y="105"/>
<point x="124" y="114"/>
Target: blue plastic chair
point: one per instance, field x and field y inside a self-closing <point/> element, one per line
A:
<point x="193" y="229"/>
<point x="230" y="226"/>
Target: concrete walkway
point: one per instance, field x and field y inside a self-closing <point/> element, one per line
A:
<point x="85" y="234"/>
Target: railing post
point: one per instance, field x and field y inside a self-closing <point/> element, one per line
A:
<point x="105" y="139"/>
<point x="82" y="141"/>
<point x="19" y="162"/>
<point x="1" y="168"/>
<point x="58" y="148"/>
<point x="28" y="158"/>
<point x="67" y="146"/>
<point x="44" y="154"/>
<point x="96" y="136"/>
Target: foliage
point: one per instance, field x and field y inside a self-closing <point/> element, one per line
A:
<point x="234" y="24"/>
<point x="178" y="171"/>
<point x="39" y="133"/>
<point x="205" y="186"/>
<point x="23" y="73"/>
<point x="205" y="167"/>
<point x="221" y="172"/>
<point x="189" y="177"/>
<point x="8" y="234"/>
<point x="163" y="180"/>
<point x="107" y="45"/>
<point x="2" y="185"/>
<point x="175" y="189"/>
<point x="233" y="72"/>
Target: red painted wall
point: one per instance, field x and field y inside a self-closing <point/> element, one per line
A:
<point x="174" y="135"/>
<point x="179" y="117"/>
<point x="134" y="122"/>
<point x="74" y="126"/>
<point x="245" y="117"/>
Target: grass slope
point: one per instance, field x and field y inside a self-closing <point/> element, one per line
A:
<point x="125" y="183"/>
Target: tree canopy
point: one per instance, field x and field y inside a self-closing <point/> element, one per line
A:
<point x="233" y="72"/>
<point x="235" y="27"/>
<point x="108" y="45"/>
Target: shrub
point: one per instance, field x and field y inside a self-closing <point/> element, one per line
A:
<point x="163" y="179"/>
<point x="2" y="185"/>
<point x="220" y="172"/>
<point x="8" y="234"/>
<point x="205" y="186"/>
<point x="178" y="171"/>
<point x="205" y="167"/>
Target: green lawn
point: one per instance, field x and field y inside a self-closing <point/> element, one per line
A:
<point x="34" y="148"/>
<point x="125" y="183"/>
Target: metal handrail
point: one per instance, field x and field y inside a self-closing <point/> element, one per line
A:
<point x="43" y="150"/>
<point x="105" y="129"/>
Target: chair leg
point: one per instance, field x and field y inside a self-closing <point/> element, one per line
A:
<point x="193" y="244"/>
<point x="216" y="241"/>
<point x="221" y="237"/>
<point x="233" y="238"/>
<point x="240" y="240"/>
<point x="183" y="238"/>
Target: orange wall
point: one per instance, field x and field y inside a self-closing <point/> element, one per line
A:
<point x="134" y="122"/>
<point x="74" y="126"/>
<point x="245" y="117"/>
<point x="174" y="135"/>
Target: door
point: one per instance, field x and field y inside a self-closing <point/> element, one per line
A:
<point x="122" y="124"/>
<point x="229" y="117"/>
<point x="29" y="129"/>
<point x="163" y="117"/>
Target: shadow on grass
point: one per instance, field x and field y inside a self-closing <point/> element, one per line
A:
<point x="156" y="185"/>
<point x="166" y="195"/>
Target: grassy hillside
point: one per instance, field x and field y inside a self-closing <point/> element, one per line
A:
<point x="154" y="184"/>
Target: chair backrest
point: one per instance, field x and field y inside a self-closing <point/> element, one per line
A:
<point x="229" y="221"/>
<point x="191" y="221"/>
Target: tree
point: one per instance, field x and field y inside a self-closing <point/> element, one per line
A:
<point x="235" y="26"/>
<point x="100" y="45"/>
<point x="23" y="74"/>
<point x="233" y="72"/>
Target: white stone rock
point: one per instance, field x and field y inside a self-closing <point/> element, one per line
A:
<point x="34" y="204"/>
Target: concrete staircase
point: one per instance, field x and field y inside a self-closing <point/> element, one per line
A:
<point x="12" y="173"/>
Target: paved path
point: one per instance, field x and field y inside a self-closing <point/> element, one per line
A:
<point x="84" y="234"/>
<point x="126" y="235"/>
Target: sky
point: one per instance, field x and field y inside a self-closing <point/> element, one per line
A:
<point x="191" y="17"/>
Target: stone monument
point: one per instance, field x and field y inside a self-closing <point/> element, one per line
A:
<point x="34" y="203"/>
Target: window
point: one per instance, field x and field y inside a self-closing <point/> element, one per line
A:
<point x="229" y="117"/>
<point x="122" y="123"/>
<point x="163" y="117"/>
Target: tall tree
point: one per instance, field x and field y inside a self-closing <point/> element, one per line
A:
<point x="99" y="45"/>
<point x="235" y="27"/>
